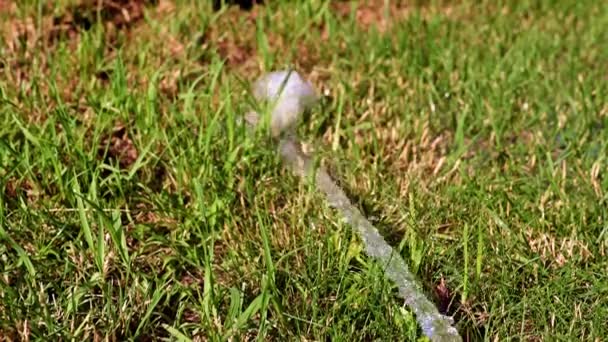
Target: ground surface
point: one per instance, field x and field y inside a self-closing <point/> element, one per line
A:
<point x="131" y="206"/>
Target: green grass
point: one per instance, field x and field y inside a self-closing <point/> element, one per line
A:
<point x="474" y="135"/>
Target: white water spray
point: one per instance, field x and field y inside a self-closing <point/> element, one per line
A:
<point x="290" y="96"/>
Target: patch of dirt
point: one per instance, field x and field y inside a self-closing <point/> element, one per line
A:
<point x="374" y="13"/>
<point x="120" y="13"/>
<point x="121" y="147"/>
<point x="243" y="4"/>
<point x="232" y="41"/>
<point x="234" y="53"/>
<point x="308" y="57"/>
<point x="115" y="15"/>
<point x="7" y="7"/>
<point x="22" y="37"/>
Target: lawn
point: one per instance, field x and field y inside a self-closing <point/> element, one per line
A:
<point x="474" y="135"/>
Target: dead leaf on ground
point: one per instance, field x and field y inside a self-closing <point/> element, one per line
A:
<point x="174" y="46"/>
<point x="445" y="297"/>
<point x="168" y="84"/>
<point x="11" y="187"/>
<point x="15" y="187"/>
<point x="189" y="279"/>
<point x="191" y="316"/>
